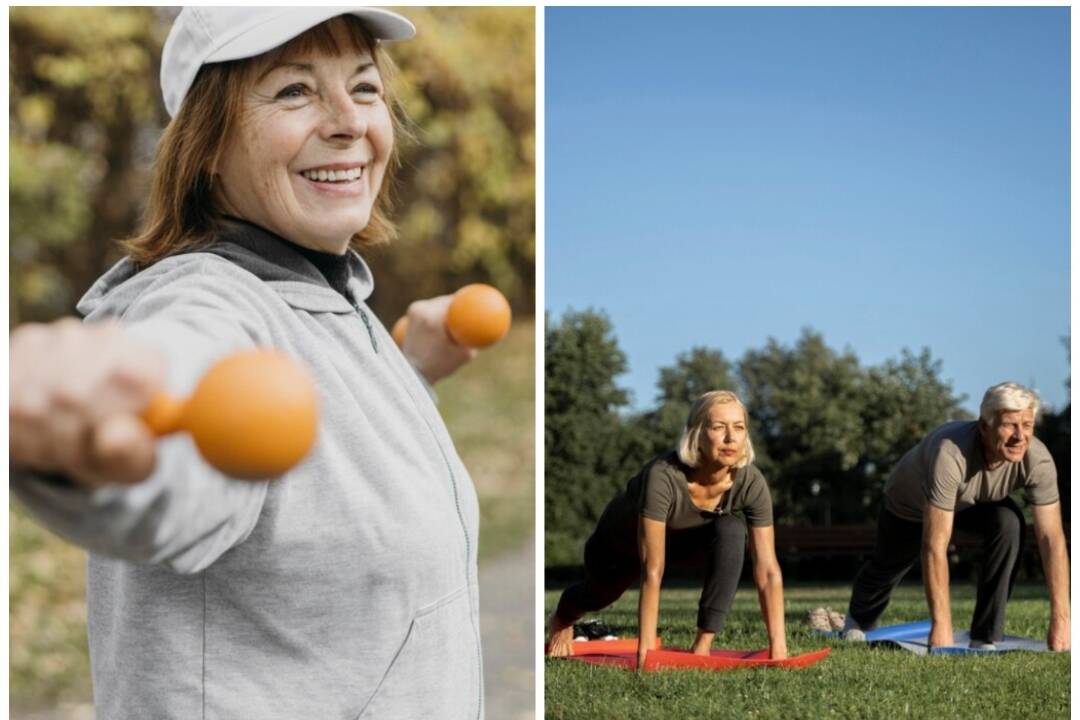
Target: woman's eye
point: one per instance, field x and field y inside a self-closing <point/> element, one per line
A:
<point x="366" y="89"/>
<point x="295" y="90"/>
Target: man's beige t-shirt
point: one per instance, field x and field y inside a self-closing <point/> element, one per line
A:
<point x="947" y="468"/>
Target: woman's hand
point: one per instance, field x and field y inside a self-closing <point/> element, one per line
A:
<point x="651" y="550"/>
<point x="76" y="392"/>
<point x="427" y="345"/>
<point x="770" y="587"/>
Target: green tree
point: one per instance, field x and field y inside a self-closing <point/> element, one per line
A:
<point x="583" y="438"/>
<point x="694" y="373"/>
<point x="832" y="430"/>
<point x="904" y="400"/>
<point x="806" y="402"/>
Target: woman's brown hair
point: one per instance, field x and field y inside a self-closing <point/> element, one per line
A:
<point x="181" y="212"/>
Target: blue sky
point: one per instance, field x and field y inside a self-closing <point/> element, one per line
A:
<point x="889" y="177"/>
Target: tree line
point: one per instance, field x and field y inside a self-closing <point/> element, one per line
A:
<point x="826" y="429"/>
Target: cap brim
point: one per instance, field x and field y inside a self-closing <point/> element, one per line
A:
<point x="292" y="22"/>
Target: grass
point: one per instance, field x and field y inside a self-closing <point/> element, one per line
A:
<point x="489" y="408"/>
<point x="853" y="682"/>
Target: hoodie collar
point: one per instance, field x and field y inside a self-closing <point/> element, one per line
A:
<point x="277" y="262"/>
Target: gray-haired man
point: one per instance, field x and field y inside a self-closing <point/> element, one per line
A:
<point x="961" y="474"/>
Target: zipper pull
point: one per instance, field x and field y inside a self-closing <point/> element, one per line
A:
<point x="367" y="324"/>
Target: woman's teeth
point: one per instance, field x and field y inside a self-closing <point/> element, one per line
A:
<point x="333" y="175"/>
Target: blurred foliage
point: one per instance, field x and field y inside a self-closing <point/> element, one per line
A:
<point x="86" y="113"/>
<point x="583" y="434"/>
<point x="818" y="419"/>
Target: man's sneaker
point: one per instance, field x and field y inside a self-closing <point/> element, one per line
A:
<point x="851" y="631"/>
<point x="982" y="645"/>
<point x="593" y="630"/>
<point x="818" y="619"/>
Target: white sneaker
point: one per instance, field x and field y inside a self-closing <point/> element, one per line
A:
<point x="851" y="631"/>
<point x="818" y="619"/>
<point x="981" y="645"/>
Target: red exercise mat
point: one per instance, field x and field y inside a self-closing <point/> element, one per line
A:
<point x="605" y="647"/>
<point x="623" y="653"/>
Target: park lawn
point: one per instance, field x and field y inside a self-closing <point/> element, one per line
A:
<point x="489" y="409"/>
<point x="852" y="682"/>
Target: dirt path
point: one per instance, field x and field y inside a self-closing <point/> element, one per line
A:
<point x="507" y="609"/>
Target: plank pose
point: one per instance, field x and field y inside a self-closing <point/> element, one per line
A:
<point x="961" y="475"/>
<point x="328" y="592"/>
<point x="684" y="509"/>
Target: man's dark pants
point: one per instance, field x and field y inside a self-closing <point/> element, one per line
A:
<point x="899" y="544"/>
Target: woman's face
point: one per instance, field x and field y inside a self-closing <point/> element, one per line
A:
<point x="309" y="154"/>
<point x="723" y="441"/>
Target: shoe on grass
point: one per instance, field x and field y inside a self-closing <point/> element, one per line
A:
<point x="592" y="630"/>
<point x="851" y="631"/>
<point x="818" y="619"/>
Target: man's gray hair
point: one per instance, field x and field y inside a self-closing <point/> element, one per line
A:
<point x="690" y="442"/>
<point x="1008" y="397"/>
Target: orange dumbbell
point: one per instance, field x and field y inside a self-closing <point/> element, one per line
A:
<point x="479" y="315"/>
<point x="252" y="416"/>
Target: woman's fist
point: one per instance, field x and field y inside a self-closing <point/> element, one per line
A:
<point x="76" y="393"/>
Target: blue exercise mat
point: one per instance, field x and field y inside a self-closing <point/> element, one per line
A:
<point x="914" y="637"/>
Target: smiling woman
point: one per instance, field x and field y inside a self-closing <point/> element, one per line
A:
<point x="324" y="592"/>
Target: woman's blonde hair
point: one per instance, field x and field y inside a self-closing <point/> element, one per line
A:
<point x="182" y="211"/>
<point x="689" y="447"/>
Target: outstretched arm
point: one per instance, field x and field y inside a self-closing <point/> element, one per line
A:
<point x="651" y="550"/>
<point x="1055" y="558"/>
<point x="770" y="587"/>
<point x="937" y="529"/>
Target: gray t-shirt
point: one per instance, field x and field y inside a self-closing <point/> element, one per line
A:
<point x="947" y="468"/>
<point x="660" y="492"/>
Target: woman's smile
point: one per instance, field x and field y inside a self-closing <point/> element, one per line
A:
<point x="344" y="180"/>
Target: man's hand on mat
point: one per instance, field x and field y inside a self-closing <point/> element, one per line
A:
<point x="76" y="392"/>
<point x="941" y="635"/>
<point x="1057" y="637"/>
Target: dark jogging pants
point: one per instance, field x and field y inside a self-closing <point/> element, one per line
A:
<point x="899" y="544"/>
<point x="718" y="548"/>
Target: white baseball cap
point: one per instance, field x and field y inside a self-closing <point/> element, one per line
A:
<point x="208" y="34"/>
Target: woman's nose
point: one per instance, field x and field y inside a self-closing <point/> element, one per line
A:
<point x="344" y="119"/>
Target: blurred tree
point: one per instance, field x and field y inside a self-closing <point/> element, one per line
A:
<point x="85" y="115"/>
<point x="832" y="430"/>
<point x="467" y="183"/>
<point x="807" y="404"/>
<point x="904" y="400"/>
<point x="694" y="373"/>
<point x="583" y="436"/>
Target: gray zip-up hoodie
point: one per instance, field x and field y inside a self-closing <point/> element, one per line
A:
<point x="346" y="588"/>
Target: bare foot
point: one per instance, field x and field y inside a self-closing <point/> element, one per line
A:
<point x="703" y="642"/>
<point x="560" y="638"/>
